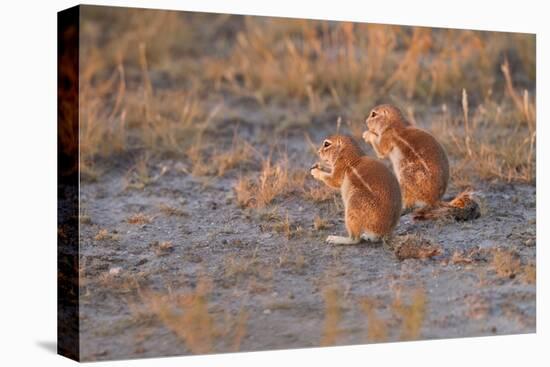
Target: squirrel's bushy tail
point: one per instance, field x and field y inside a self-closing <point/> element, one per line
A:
<point x="462" y="208"/>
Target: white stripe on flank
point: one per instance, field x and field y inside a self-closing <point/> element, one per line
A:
<point x="414" y="152"/>
<point x="361" y="179"/>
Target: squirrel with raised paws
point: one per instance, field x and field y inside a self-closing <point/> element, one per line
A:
<point x="420" y="163"/>
<point x="370" y="192"/>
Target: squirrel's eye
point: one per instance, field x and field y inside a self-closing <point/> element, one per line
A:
<point x="373" y="114"/>
<point x="326" y="144"/>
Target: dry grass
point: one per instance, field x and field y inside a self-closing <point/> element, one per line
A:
<point x="414" y="247"/>
<point x="104" y="234"/>
<point x="529" y="275"/>
<point x="189" y="316"/>
<point x="117" y="280"/>
<point x="162" y="248"/>
<point x="409" y="315"/>
<point x="171" y="211"/>
<point x="244" y="192"/>
<point x="321" y="64"/>
<point x="140" y="175"/>
<point x="273" y="180"/>
<point x="319" y="223"/>
<point x="240" y="153"/>
<point x="377" y="328"/>
<point x="324" y="64"/>
<point x="497" y="139"/>
<point x="219" y="162"/>
<point x="238" y="328"/>
<point x="333" y="315"/>
<point x="506" y="263"/>
<point x="412" y="314"/>
<point x="101" y="235"/>
<point x="186" y="315"/>
<point x="319" y="193"/>
<point x="122" y="107"/>
<point x="154" y="80"/>
<point x="135" y="121"/>
<point x="139" y="219"/>
<point x="459" y="257"/>
<point x="238" y="268"/>
<point x="282" y="225"/>
<point x="195" y="155"/>
<point x="206" y="159"/>
<point x="469" y="256"/>
<point x="292" y="257"/>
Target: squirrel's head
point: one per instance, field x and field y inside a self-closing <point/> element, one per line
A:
<point x="339" y="148"/>
<point x="384" y="116"/>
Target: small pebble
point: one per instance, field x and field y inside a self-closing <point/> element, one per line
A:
<point x="141" y="262"/>
<point x="267" y="311"/>
<point x="115" y="271"/>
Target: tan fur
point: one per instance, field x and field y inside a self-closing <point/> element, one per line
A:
<point x="370" y="192"/>
<point x="419" y="161"/>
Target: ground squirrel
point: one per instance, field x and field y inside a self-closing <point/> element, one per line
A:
<point x="370" y="191"/>
<point x="420" y="164"/>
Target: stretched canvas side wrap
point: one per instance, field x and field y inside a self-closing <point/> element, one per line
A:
<point x="68" y="342"/>
<point x="232" y="183"/>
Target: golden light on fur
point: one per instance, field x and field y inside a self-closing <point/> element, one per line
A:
<point x="419" y="161"/>
<point x="370" y="192"/>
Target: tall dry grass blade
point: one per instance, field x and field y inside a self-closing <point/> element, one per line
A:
<point x="526" y="110"/>
<point x="147" y="85"/>
<point x="187" y="316"/>
<point x="505" y="68"/>
<point x="412" y="315"/>
<point x="377" y="328"/>
<point x="333" y="315"/>
<point x="311" y="145"/>
<point x="120" y="92"/>
<point x="240" y="330"/>
<point x="467" y="136"/>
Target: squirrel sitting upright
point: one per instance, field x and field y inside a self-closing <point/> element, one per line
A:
<point x="370" y="191"/>
<point x="420" y="163"/>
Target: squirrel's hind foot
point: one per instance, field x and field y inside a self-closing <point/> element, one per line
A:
<point x="341" y="240"/>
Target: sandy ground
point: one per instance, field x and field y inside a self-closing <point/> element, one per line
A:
<point x="281" y="283"/>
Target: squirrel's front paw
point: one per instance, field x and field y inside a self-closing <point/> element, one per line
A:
<point x="315" y="170"/>
<point x="368" y="136"/>
<point x="316" y="173"/>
